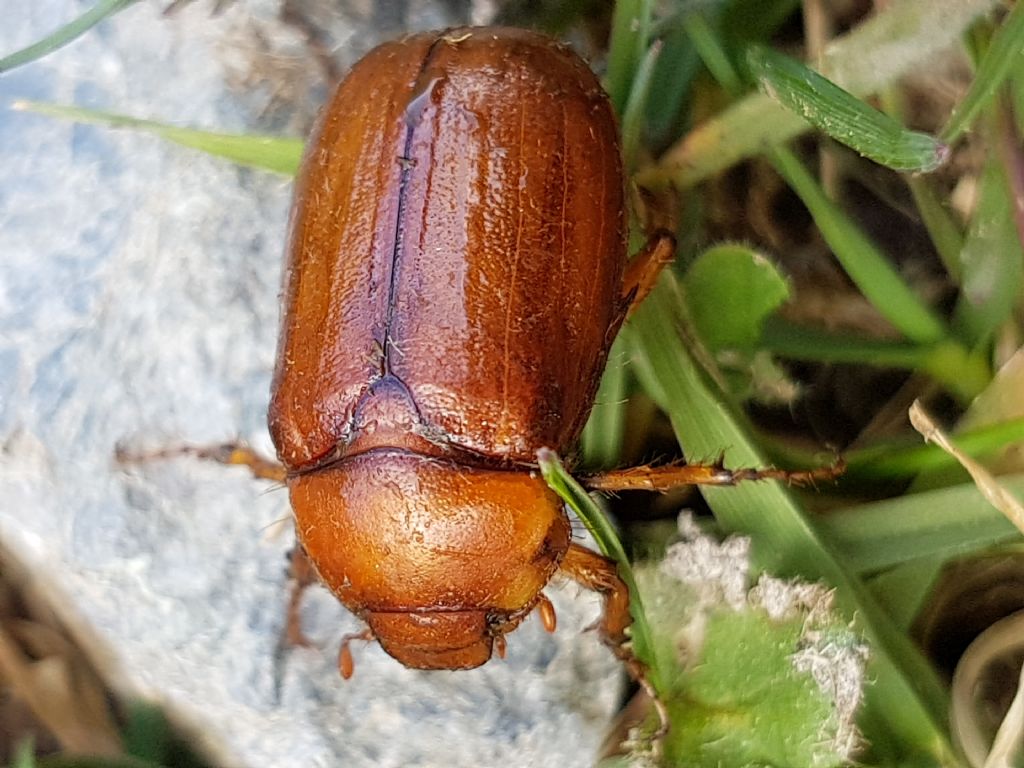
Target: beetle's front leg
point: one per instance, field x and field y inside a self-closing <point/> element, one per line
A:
<point x="236" y="453"/>
<point x="643" y="269"/>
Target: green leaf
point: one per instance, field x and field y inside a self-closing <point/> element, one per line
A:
<point x="946" y="522"/>
<point x="633" y="113"/>
<point x="841" y="115"/>
<point x="742" y="702"/>
<point x="990" y="262"/>
<point x="1002" y="57"/>
<point x="266" y="152"/>
<point x="904" y="712"/>
<point x="861" y="259"/>
<point x="962" y="372"/>
<point x="69" y="32"/>
<point x="601" y="443"/>
<point x="711" y="52"/>
<point x="631" y="30"/>
<point x="873" y="56"/>
<point x="730" y="291"/>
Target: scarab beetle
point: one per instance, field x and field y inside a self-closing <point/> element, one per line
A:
<point x="455" y="277"/>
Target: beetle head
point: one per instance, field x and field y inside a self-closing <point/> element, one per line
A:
<point x="437" y="557"/>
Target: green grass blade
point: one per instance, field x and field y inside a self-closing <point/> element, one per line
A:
<point x="943" y="230"/>
<point x="866" y="60"/>
<point x="803" y="343"/>
<point x="672" y="81"/>
<point x="269" y="153"/>
<point x="905" y="706"/>
<point x="1004" y="55"/>
<point x="861" y="259"/>
<point x="886" y="462"/>
<point x="991" y="262"/>
<point x="631" y="29"/>
<point x="705" y="41"/>
<point x="842" y="115"/>
<point x="959" y="370"/>
<point x="601" y="444"/>
<point x="66" y="34"/>
<point x="632" y="123"/>
<point x="573" y="494"/>
<point x="947" y="522"/>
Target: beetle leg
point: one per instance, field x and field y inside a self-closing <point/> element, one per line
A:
<point x="302" y="575"/>
<point x="227" y="453"/>
<point x="664" y="478"/>
<point x="643" y="269"/>
<point x="345" y="664"/>
<point x="500" y="646"/>
<point x="546" y="611"/>
<point x="600" y="574"/>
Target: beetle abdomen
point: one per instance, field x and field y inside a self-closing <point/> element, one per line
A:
<point x="472" y="248"/>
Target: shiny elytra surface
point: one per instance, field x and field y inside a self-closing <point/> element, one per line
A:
<point x="458" y="229"/>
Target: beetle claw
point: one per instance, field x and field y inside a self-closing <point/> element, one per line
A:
<point x="547" y="613"/>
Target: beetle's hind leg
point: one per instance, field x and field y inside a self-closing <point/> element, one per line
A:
<point x="600" y="574"/>
<point x="237" y="454"/>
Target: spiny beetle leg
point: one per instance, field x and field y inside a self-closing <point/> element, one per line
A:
<point x="598" y="573"/>
<point x="643" y="269"/>
<point x="665" y="478"/>
<point x="228" y="453"/>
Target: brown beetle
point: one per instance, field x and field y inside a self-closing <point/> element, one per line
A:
<point x="456" y="274"/>
<point x="454" y="281"/>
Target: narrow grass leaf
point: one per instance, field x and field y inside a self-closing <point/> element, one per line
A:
<point x="631" y="28"/>
<point x="948" y="522"/>
<point x="269" y="153"/>
<point x="842" y="115"/>
<point x="962" y="372"/>
<point x="632" y="123"/>
<point x="705" y="41"/>
<point x="671" y="81"/>
<point x="601" y="443"/>
<point x="66" y="34"/>
<point x="887" y="462"/>
<point x="1005" y="54"/>
<point x="861" y="259"/>
<point x="993" y="490"/>
<point x="871" y="57"/>
<point x="942" y="228"/>
<point x="991" y="263"/>
<point x="905" y="706"/>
